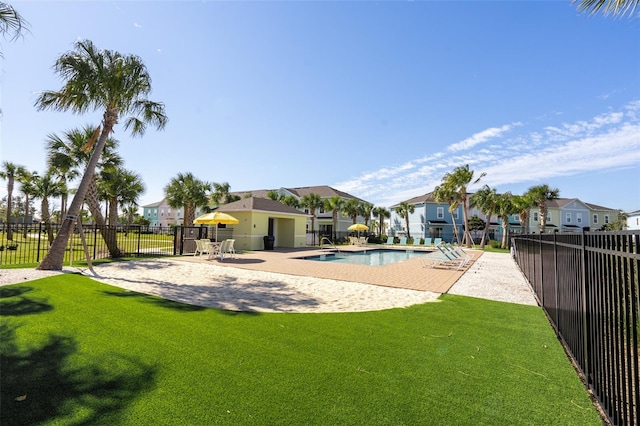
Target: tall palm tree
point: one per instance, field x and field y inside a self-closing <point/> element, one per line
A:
<point x="446" y="193"/>
<point x="504" y="208"/>
<point x="10" y="172"/>
<point x="313" y="202"/>
<point x="404" y="210"/>
<point x="351" y="208"/>
<point x="365" y="211"/>
<point x="541" y="194"/>
<point x="120" y="187"/>
<point x="614" y="7"/>
<point x="46" y="187"/>
<point x="382" y="213"/>
<point x="460" y="179"/>
<point x="485" y="199"/>
<point x="220" y="193"/>
<point x="26" y="186"/>
<point x="523" y="203"/>
<point x="99" y="80"/>
<point x="334" y="204"/>
<point x="186" y="191"/>
<point x="67" y="156"/>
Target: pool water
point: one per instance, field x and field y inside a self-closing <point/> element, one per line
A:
<point x="376" y="257"/>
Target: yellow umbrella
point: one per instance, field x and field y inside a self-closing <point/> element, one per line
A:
<point x="358" y="227"/>
<point x="214" y="218"/>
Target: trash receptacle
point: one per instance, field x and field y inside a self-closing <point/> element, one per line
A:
<point x="268" y="242"/>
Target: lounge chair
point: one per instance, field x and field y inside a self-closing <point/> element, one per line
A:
<point x="403" y="241"/>
<point x="437" y="241"/>
<point x="427" y="242"/>
<point x="443" y="259"/>
<point x="389" y="240"/>
<point x="227" y="250"/>
<point x="416" y="241"/>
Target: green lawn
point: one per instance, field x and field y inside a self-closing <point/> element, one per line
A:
<point x="88" y="353"/>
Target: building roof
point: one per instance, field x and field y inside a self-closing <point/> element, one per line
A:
<point x="426" y="198"/>
<point x="156" y="204"/>
<point x="596" y="207"/>
<point x="324" y="191"/>
<point x="260" y="204"/>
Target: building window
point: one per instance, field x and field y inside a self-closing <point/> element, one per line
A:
<point x="321" y="210"/>
<point x="606" y="218"/>
<point x="440" y="212"/>
<point x="595" y="219"/>
<point x="548" y="216"/>
<point x="456" y="215"/>
<point x="579" y="217"/>
<point x="567" y="217"/>
<point x="516" y="217"/>
<point x="535" y="216"/>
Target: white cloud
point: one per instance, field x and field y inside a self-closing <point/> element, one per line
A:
<point x="607" y="141"/>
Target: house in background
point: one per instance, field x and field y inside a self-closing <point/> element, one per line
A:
<point x="633" y="220"/>
<point x="162" y="214"/>
<point x="324" y="218"/>
<point x="261" y="217"/>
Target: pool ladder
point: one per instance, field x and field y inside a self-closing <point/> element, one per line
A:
<point x="330" y="243"/>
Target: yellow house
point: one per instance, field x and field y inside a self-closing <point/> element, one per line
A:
<point x="260" y="217"/>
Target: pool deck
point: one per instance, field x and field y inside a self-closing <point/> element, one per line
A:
<point x="409" y="274"/>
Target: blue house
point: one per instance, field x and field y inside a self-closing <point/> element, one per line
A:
<point x="430" y="219"/>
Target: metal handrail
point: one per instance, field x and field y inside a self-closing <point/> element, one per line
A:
<point x="330" y="242"/>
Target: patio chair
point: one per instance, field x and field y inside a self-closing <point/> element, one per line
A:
<point x="353" y="241"/>
<point x="427" y="242"/>
<point x="437" y="241"/>
<point x="403" y="241"/>
<point x="416" y="241"/>
<point x="202" y="247"/>
<point x="226" y="249"/>
<point x="389" y="240"/>
<point x="362" y="241"/>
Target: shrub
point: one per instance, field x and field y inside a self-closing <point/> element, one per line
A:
<point x="494" y="244"/>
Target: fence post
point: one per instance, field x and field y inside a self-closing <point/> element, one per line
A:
<point x="39" y="239"/>
<point x="585" y="318"/>
<point x="555" y="276"/>
<point x="541" y="278"/>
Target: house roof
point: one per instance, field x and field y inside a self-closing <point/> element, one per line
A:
<point x="597" y="207"/>
<point x="426" y="198"/>
<point x="156" y="204"/>
<point x="324" y="191"/>
<point x="260" y="204"/>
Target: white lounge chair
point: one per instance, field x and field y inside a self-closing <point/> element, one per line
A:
<point x="202" y="247"/>
<point x="444" y="259"/>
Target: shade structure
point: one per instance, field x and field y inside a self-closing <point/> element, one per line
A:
<point x="358" y="227"/>
<point x="214" y="218"/>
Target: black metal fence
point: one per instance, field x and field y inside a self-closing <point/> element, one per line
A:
<point x="588" y="285"/>
<point x="30" y="242"/>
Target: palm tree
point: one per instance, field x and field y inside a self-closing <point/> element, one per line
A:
<point x="67" y="156"/>
<point x="365" y="211"/>
<point x="540" y="194"/>
<point x="120" y="187"/>
<point x="382" y="213"/>
<point x="485" y="199"/>
<point x="185" y="190"/>
<point x="220" y="193"/>
<point x="504" y="208"/>
<point x="12" y="24"/>
<point x="351" y="208"/>
<point x="445" y="193"/>
<point x="523" y="203"/>
<point x="403" y="210"/>
<point x="99" y="80"/>
<point x="614" y="7"/>
<point x="44" y="188"/>
<point x="10" y="172"/>
<point x="26" y="180"/>
<point x="334" y="204"/>
<point x="313" y="202"/>
<point x="460" y="180"/>
<point x="274" y="195"/>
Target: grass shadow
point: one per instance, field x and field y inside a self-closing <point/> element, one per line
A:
<point x="40" y="384"/>
<point x="20" y="305"/>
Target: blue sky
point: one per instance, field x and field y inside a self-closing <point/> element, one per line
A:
<point x="379" y="99"/>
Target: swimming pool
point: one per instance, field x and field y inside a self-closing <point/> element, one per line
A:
<point x="375" y="257"/>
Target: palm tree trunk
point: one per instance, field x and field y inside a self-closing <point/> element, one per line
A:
<point x="54" y="258"/>
<point x="26" y="214"/>
<point x="486" y="230"/>
<point x="46" y="218"/>
<point x="9" y="207"/>
<point x="465" y="221"/>
<point x="108" y="232"/>
<point x="505" y="230"/>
